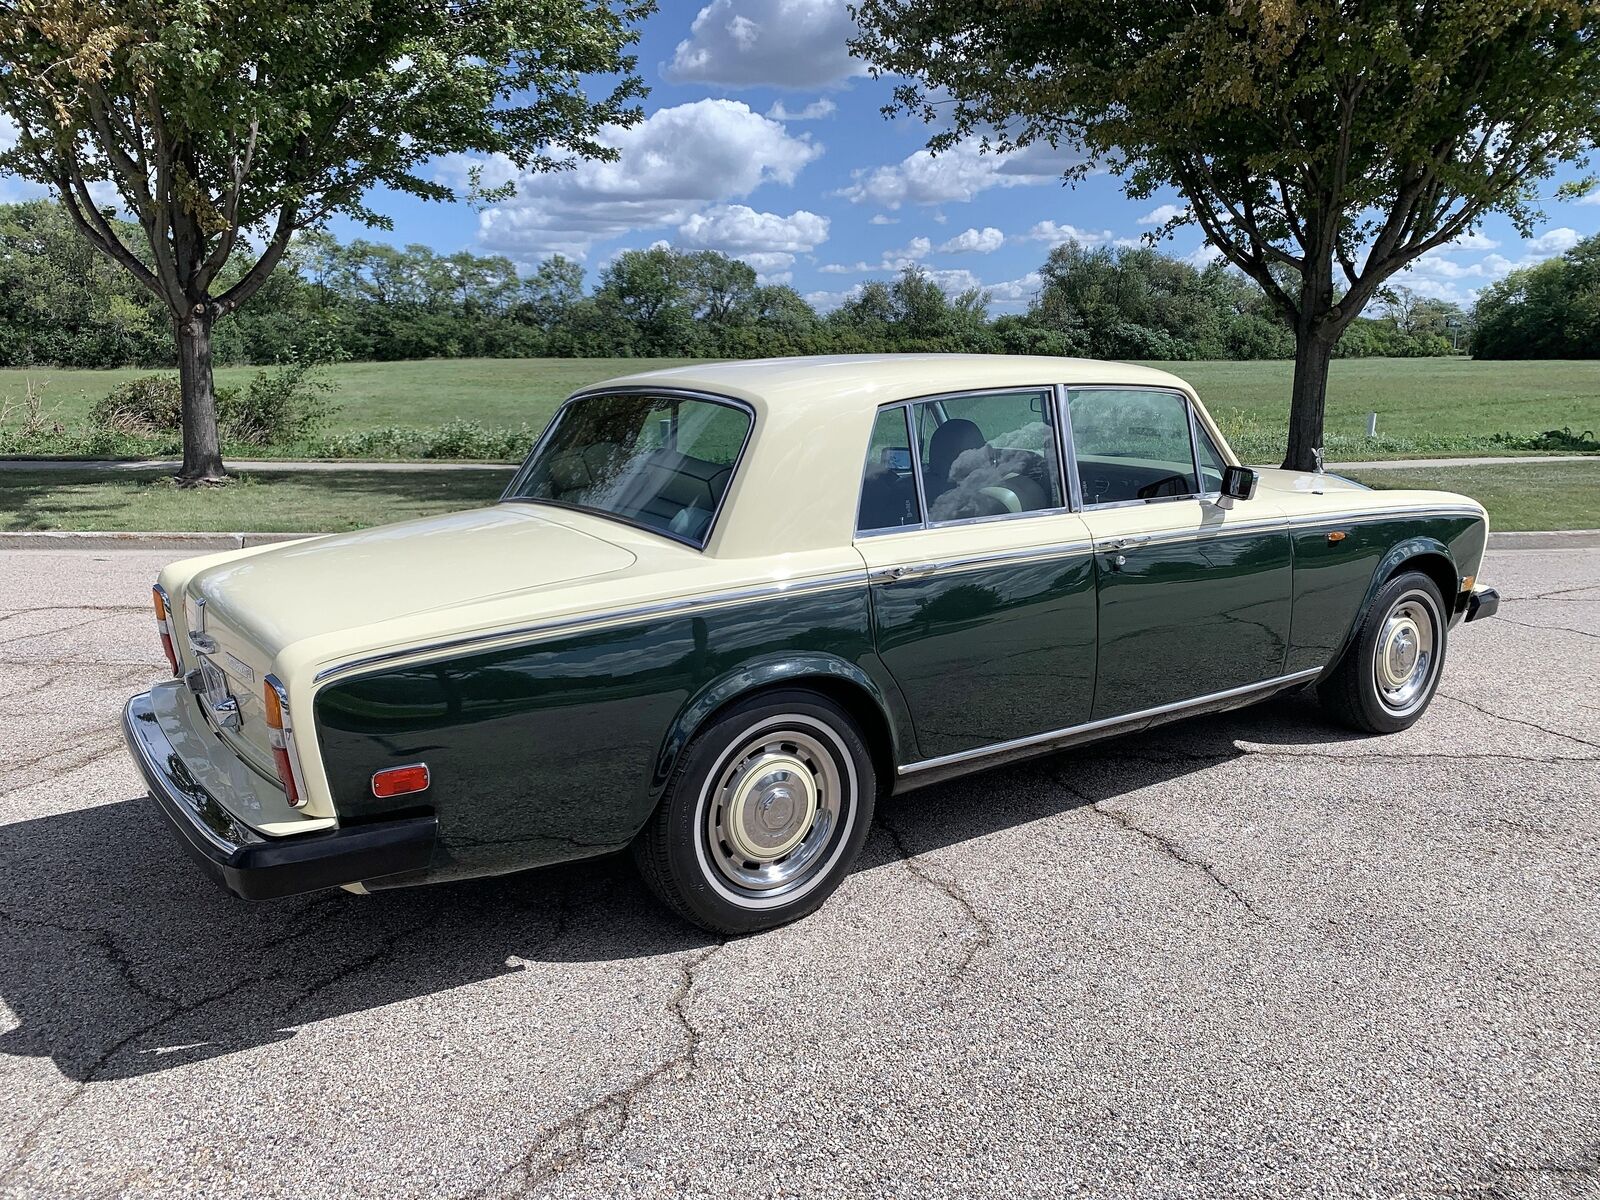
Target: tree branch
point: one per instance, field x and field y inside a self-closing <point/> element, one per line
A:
<point x="257" y="275"/>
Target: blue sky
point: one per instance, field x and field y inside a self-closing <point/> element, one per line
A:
<point x="763" y="138"/>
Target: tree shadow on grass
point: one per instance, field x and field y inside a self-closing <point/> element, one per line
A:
<point x="119" y="959"/>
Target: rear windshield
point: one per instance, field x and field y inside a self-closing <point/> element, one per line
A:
<point x="661" y="462"/>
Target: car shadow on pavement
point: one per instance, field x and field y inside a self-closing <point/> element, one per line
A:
<point x="120" y="959"/>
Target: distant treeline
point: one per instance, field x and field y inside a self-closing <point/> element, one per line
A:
<point x="1549" y="310"/>
<point x="62" y="305"/>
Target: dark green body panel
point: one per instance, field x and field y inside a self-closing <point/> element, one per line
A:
<point x="1186" y="618"/>
<point x="1333" y="580"/>
<point x="992" y="653"/>
<point x="554" y="751"/>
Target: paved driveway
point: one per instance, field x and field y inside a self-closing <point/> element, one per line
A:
<point x="1246" y="955"/>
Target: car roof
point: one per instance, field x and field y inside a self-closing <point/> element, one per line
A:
<point x="870" y="380"/>
<point x="799" y="481"/>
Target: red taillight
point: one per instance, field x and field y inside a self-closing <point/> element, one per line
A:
<point x="400" y="781"/>
<point x="164" y="625"/>
<point x="280" y="736"/>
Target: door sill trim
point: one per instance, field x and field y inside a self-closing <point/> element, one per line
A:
<point x="1073" y="733"/>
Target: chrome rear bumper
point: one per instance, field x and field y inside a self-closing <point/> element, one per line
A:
<point x="248" y="863"/>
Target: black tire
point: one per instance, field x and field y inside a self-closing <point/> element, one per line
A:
<point x="1358" y="692"/>
<point x="779" y="766"/>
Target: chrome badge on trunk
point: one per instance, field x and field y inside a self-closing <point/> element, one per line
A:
<point x="208" y="681"/>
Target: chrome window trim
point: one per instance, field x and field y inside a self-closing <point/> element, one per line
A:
<point x="1189" y="416"/>
<point x="1069" y="450"/>
<point x="734" y="402"/>
<point x="1105" y="723"/>
<point x="734" y="596"/>
<point x="1194" y="449"/>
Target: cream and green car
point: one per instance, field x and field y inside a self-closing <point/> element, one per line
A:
<point x="721" y="609"/>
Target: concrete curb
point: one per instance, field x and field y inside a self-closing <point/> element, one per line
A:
<point x="201" y="543"/>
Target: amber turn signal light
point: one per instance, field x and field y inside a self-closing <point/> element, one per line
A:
<point x="164" y="625"/>
<point x="280" y="736"/>
<point x="400" y="781"/>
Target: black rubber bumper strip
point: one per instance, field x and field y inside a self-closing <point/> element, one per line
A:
<point x="249" y="864"/>
<point x="1483" y="602"/>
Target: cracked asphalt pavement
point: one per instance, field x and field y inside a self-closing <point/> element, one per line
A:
<point x="1246" y="955"/>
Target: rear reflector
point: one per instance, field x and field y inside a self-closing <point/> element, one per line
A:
<point x="164" y="625"/>
<point x="400" y="781"/>
<point x="280" y="736"/>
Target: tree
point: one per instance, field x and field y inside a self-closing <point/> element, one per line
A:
<point x="211" y="120"/>
<point x="1329" y="141"/>
<point x="1550" y="310"/>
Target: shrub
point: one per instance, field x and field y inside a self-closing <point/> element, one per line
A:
<point x="454" y="440"/>
<point x="143" y="407"/>
<point x="289" y="404"/>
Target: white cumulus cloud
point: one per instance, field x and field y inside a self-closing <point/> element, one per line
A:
<point x="975" y="241"/>
<point x="1054" y="235"/>
<point x="1471" y="241"/>
<point x="957" y="174"/>
<point x="913" y="252"/>
<point x="670" y="166"/>
<point x="740" y="229"/>
<point x="1589" y="198"/>
<point x="1163" y="213"/>
<point x="1554" y="241"/>
<point x="883" y="219"/>
<point x="768" y="43"/>
<point x="815" y="111"/>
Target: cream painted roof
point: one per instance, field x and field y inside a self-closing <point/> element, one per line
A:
<point x="797" y="488"/>
<point x="869" y="380"/>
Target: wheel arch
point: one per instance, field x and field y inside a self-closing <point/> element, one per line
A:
<point x="837" y="679"/>
<point x="1422" y="553"/>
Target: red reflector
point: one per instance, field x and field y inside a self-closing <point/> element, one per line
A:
<point x="400" y="781"/>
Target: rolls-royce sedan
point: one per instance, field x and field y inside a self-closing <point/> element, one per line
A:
<point x="721" y="609"/>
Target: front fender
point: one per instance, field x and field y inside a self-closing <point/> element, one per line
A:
<point x="778" y="670"/>
<point x="1417" y="546"/>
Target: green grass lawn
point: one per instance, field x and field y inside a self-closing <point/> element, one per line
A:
<point x="263" y="503"/>
<point x="1547" y="496"/>
<point x="1424" y="406"/>
<point x="1535" y="496"/>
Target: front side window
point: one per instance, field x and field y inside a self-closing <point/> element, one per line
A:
<point x="1131" y="445"/>
<point x="661" y="462"/>
<point x="1211" y="464"/>
<point x="988" y="455"/>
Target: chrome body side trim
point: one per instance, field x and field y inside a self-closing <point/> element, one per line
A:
<point x="1021" y="555"/>
<point x="1108" y="724"/>
<point x="540" y="629"/>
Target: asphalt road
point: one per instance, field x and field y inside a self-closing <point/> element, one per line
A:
<point x="1248" y="955"/>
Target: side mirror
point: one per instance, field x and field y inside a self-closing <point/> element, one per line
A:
<point x="1238" y="482"/>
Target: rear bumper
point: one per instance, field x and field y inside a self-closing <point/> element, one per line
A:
<point x="1482" y="602"/>
<point x="248" y="863"/>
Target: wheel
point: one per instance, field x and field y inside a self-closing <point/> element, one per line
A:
<point x="763" y="815"/>
<point x="1388" y="676"/>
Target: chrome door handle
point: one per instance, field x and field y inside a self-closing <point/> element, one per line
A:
<point x="1127" y="543"/>
<point x="908" y="571"/>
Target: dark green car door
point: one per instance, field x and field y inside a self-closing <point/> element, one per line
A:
<point x="1195" y="590"/>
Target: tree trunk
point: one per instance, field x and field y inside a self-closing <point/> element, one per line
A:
<point x="1313" y="350"/>
<point x="202" y="457"/>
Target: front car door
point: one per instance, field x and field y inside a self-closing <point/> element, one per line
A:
<point x="1195" y="589"/>
<point x="982" y="580"/>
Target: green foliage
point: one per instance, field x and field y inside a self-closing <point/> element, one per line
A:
<point x="142" y="407"/>
<point x="1550" y="310"/>
<point x="290" y="404"/>
<point x="458" y="439"/>
<point x="1322" y="145"/>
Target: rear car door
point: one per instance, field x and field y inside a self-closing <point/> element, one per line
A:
<point x="982" y="580"/>
<point x="1194" y="589"/>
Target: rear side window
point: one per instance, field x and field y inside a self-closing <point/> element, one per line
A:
<point x="988" y="455"/>
<point x="1131" y="444"/>
<point x="660" y="462"/>
<point x="889" y="482"/>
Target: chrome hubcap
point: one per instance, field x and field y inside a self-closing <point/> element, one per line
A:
<point x="773" y="810"/>
<point x="1404" y="664"/>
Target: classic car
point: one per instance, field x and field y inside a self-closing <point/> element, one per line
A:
<point x="720" y="609"/>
